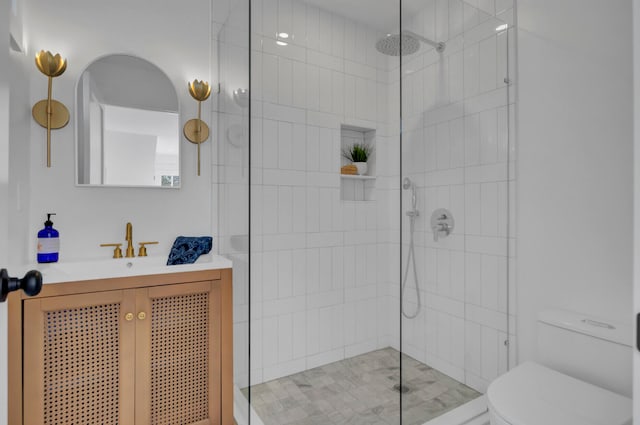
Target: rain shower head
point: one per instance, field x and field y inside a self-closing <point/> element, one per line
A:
<point x="390" y="44"/>
<point x="406" y="183"/>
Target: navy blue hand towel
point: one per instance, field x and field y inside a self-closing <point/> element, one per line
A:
<point x="187" y="249"/>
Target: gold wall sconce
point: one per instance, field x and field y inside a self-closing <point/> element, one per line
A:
<point x="196" y="130"/>
<point x="50" y="113"/>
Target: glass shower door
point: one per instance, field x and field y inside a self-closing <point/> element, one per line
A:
<point x="455" y="217"/>
<point x="324" y="339"/>
<point x="336" y="271"/>
<point x="230" y="173"/>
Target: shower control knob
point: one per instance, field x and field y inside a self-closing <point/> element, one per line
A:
<point x="442" y="223"/>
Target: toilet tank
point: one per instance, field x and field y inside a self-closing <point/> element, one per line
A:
<point x="589" y="348"/>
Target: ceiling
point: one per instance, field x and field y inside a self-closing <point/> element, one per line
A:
<point x="378" y="14"/>
<point x="384" y="15"/>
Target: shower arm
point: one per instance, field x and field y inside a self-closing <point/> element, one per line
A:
<point x="438" y="45"/>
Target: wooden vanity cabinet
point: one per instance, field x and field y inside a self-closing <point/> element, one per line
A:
<point x="125" y="351"/>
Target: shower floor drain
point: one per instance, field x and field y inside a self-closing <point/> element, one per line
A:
<point x="401" y="388"/>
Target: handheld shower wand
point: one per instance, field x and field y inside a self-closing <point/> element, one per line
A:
<point x="407" y="184"/>
<point x="411" y="257"/>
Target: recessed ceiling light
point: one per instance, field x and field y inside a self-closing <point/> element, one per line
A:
<point x="281" y="43"/>
<point x="502" y="27"/>
<point x="283" y="35"/>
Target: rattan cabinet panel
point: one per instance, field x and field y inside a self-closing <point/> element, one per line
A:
<point x="77" y="361"/>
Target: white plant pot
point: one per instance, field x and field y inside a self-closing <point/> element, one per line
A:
<point x="362" y="168"/>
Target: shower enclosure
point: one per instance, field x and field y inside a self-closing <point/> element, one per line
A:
<point x="382" y="298"/>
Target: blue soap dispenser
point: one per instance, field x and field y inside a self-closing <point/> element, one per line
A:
<point x="48" y="242"/>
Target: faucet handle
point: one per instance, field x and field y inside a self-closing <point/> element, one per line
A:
<point x="142" y="252"/>
<point x="117" y="252"/>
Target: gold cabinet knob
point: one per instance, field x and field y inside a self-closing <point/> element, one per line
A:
<point x="128" y="317"/>
<point x="142" y="315"/>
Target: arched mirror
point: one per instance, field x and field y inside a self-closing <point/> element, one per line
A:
<point x="128" y="125"/>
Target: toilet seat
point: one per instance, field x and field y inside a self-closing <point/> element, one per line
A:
<point x="531" y="394"/>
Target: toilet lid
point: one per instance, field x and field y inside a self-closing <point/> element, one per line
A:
<point x="531" y="394"/>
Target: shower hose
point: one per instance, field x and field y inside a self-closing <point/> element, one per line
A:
<point x="411" y="259"/>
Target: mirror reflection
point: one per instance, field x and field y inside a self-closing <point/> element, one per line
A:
<point x="128" y="125"/>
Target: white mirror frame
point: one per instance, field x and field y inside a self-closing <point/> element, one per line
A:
<point x="78" y="124"/>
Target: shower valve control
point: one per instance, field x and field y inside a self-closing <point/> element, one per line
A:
<point x="442" y="223"/>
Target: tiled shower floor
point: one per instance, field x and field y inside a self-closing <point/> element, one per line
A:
<point x="359" y="391"/>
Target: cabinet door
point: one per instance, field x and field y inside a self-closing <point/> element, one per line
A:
<point x="178" y="354"/>
<point x="79" y="359"/>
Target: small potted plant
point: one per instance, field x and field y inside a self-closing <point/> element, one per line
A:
<point x="358" y="154"/>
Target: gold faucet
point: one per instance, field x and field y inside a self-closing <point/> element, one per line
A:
<point x="117" y="253"/>
<point x="129" y="238"/>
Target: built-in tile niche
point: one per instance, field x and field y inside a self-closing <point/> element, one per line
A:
<point x="358" y="187"/>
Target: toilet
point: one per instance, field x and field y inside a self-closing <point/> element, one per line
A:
<point x="570" y="346"/>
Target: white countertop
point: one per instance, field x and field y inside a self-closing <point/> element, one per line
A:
<point x="116" y="267"/>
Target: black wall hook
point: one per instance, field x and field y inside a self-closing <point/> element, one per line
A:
<point x="31" y="283"/>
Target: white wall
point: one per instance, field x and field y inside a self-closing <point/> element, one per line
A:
<point x="130" y="157"/>
<point x="574" y="161"/>
<point x="175" y="37"/>
<point x="19" y="157"/>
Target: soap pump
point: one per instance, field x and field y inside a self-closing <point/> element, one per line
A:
<point x="48" y="242"/>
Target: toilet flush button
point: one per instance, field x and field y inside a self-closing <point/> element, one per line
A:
<point x="597" y="324"/>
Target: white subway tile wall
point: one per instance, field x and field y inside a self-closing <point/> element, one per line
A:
<point x="325" y="271"/>
<point x="457" y="149"/>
